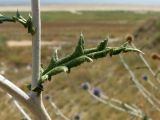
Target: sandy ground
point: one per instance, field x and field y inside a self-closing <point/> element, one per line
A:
<point x="78" y="7"/>
<point x="27" y="43"/>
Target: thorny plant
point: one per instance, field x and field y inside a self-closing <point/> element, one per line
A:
<point x="76" y="58"/>
<point x="19" y="18"/>
<point x="79" y="56"/>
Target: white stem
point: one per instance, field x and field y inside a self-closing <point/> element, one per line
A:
<point x="26" y="116"/>
<point x="121" y="107"/>
<point x="140" y="87"/>
<point x="148" y="67"/>
<point x="36" y="43"/>
<point x="36" y="61"/>
<point x="13" y="90"/>
<point x="145" y="62"/>
<point x="58" y="111"/>
<point x="32" y="103"/>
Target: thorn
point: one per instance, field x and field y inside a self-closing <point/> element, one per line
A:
<point x="17" y="14"/>
<point x="140" y="52"/>
<point x="89" y="59"/>
<point x="30" y="17"/>
<point x="81" y="35"/>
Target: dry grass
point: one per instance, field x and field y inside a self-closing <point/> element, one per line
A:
<point x="107" y="74"/>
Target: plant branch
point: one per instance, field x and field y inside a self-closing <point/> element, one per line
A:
<point x="149" y="97"/>
<point x="36" y="61"/>
<point x="119" y="105"/>
<point x="36" y="43"/>
<point x="26" y="116"/>
<point x="19" y="18"/>
<point x="13" y="90"/>
<point x="81" y="55"/>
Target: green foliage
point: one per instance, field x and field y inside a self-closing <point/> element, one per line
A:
<point x="79" y="56"/>
<point x="19" y="18"/>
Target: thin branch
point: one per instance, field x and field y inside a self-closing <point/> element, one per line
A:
<point x="147" y="64"/>
<point x="57" y="110"/>
<point x="118" y="105"/>
<point x="13" y="90"/>
<point x="26" y="116"/>
<point x="20" y="19"/>
<point x="140" y="87"/>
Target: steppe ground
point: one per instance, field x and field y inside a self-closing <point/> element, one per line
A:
<point x="62" y="28"/>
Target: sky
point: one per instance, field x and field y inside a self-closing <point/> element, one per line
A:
<point x="141" y="2"/>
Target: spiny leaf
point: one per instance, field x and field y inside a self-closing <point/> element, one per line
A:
<point x="102" y="45"/>
<point x="79" y="51"/>
<point x="19" y="18"/>
<point x="58" y="70"/>
<point x="79" y="56"/>
<point x="45" y="77"/>
<point x="6" y="19"/>
<point x="116" y="51"/>
<point x="53" y="61"/>
<point x="80" y="46"/>
<point x="78" y="61"/>
<point x="128" y="49"/>
<point x="52" y="72"/>
<point x="29" y="23"/>
<point x="124" y="45"/>
<point x="55" y="55"/>
<point x="41" y="70"/>
<point x="98" y="54"/>
<point x="18" y="14"/>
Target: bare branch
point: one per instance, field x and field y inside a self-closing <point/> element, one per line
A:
<point x="19" y="107"/>
<point x="13" y="90"/>
<point x="149" y="97"/>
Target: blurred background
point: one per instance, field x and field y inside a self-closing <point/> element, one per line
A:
<point x="62" y="23"/>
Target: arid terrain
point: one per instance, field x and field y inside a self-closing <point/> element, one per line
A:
<point x="61" y="28"/>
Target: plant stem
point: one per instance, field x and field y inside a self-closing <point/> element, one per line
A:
<point x="36" y="43"/>
<point x="19" y="107"/>
<point x="149" y="97"/>
<point x="36" y="61"/>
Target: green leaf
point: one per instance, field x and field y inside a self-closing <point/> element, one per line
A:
<point x="102" y="45"/>
<point x="53" y="61"/>
<point x="45" y="77"/>
<point x="18" y="14"/>
<point x="79" y="56"/>
<point x="80" y="47"/>
<point x="78" y="61"/>
<point x="6" y="19"/>
<point x="57" y="70"/>
<point x="41" y="70"/>
<point x="55" y="56"/>
<point x="18" y="18"/>
<point x="54" y="71"/>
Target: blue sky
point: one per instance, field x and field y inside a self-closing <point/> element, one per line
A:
<point x="148" y="2"/>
